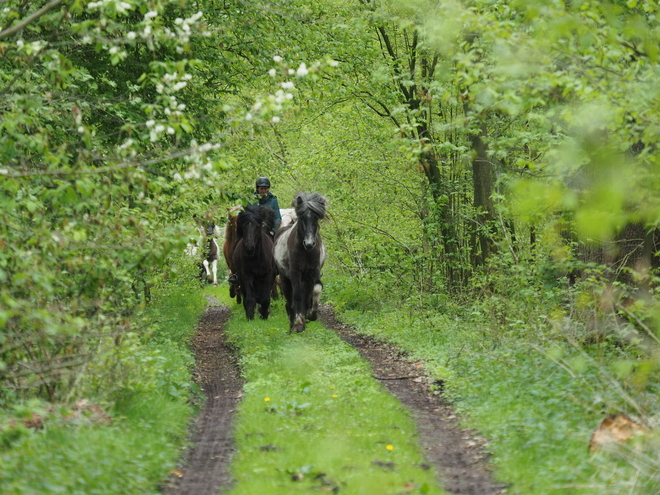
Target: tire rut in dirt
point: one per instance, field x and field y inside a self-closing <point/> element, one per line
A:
<point x="205" y="470"/>
<point x="457" y="455"/>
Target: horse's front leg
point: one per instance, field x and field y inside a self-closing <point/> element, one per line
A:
<point x="263" y="298"/>
<point x="249" y="301"/>
<point x="214" y="269"/>
<point x="206" y="268"/>
<point x="312" y="314"/>
<point x="298" y="321"/>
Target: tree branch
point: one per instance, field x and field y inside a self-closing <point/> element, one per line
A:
<point x="119" y="166"/>
<point x="29" y="19"/>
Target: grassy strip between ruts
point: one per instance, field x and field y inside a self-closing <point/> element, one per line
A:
<point x="537" y="401"/>
<point x="128" y="441"/>
<point x="314" y="418"/>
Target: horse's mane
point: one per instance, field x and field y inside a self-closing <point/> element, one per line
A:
<point x="256" y="213"/>
<point x="314" y="201"/>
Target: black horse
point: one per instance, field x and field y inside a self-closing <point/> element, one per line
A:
<point x="252" y="260"/>
<point x="300" y="254"/>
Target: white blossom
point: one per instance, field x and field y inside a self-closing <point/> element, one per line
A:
<point x="277" y="59"/>
<point x="276" y="119"/>
<point x="288" y="85"/>
<point x="150" y="15"/>
<point x="272" y="72"/>
<point x="150" y="123"/>
<point x="302" y="70"/>
<point x="122" y="7"/>
<point x="248" y="116"/>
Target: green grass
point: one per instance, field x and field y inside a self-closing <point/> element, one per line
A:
<point x="537" y="414"/>
<point x="150" y="416"/>
<point x="313" y="418"/>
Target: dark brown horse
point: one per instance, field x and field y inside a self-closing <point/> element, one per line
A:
<point x="253" y="261"/>
<point x="300" y="254"/>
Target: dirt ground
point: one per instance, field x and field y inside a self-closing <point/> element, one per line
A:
<point x="457" y="454"/>
<point x="205" y="470"/>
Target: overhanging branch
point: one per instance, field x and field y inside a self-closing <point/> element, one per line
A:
<point x="29" y="19"/>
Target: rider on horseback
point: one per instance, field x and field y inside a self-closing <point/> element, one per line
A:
<point x="266" y="198"/>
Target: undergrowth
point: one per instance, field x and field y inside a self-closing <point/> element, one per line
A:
<point x="513" y="364"/>
<point x="313" y="418"/>
<point x="122" y="429"/>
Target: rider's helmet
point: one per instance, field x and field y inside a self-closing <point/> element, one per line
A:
<point x="263" y="182"/>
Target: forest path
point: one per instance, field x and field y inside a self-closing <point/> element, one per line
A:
<point x="205" y="470"/>
<point x="456" y="454"/>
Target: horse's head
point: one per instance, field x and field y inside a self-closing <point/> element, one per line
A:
<point x="249" y="225"/>
<point x="310" y="208"/>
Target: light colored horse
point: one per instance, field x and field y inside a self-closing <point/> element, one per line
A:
<point x="288" y="216"/>
<point x="212" y="254"/>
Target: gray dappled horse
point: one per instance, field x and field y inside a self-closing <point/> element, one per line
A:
<point x="299" y="255"/>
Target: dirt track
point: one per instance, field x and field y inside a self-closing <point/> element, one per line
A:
<point x="206" y="467"/>
<point x="456" y="453"/>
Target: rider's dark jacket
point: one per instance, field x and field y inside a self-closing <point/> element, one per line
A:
<point x="271" y="200"/>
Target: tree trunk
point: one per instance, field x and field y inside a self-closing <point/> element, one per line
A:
<point x="482" y="179"/>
